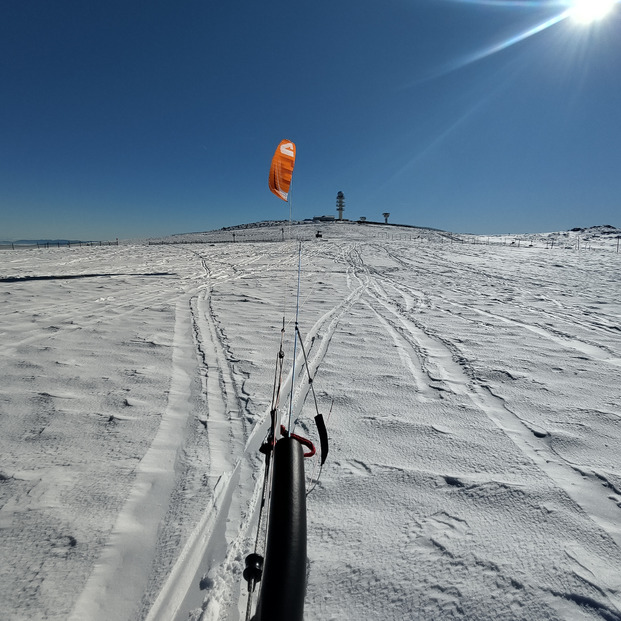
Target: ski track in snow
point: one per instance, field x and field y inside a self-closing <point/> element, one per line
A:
<point x="441" y="369"/>
<point x="113" y="589"/>
<point x="473" y="470"/>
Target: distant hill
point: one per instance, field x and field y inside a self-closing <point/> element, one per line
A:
<point x="604" y="229"/>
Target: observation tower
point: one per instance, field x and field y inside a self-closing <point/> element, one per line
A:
<point x="340" y="204"/>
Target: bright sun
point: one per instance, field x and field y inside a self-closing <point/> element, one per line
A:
<point x="587" y="11"/>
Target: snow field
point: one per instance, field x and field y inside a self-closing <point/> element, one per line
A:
<point x="473" y="469"/>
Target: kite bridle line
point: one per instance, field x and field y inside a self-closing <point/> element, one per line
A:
<point x="295" y="340"/>
<point x="290" y="201"/>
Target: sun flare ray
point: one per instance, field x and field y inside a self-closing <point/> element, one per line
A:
<point x="588" y="11"/>
<point x="583" y="12"/>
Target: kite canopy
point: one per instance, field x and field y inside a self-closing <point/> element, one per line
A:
<point x="281" y="170"/>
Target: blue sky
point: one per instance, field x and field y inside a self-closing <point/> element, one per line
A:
<point x="144" y="118"/>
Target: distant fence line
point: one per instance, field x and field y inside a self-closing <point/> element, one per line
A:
<point x="57" y="244"/>
<point x="247" y="240"/>
<point x="252" y="237"/>
<point x="213" y="241"/>
<point x="562" y="243"/>
<point x="435" y="237"/>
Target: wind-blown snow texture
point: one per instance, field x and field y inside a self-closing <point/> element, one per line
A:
<point x="474" y="470"/>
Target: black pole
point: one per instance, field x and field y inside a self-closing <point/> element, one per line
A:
<point x="283" y="585"/>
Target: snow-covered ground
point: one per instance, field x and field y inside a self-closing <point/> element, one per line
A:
<point x="474" y="468"/>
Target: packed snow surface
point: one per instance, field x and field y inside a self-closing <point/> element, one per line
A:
<point x="471" y="392"/>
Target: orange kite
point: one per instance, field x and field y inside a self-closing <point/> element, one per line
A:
<point x="281" y="170"/>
